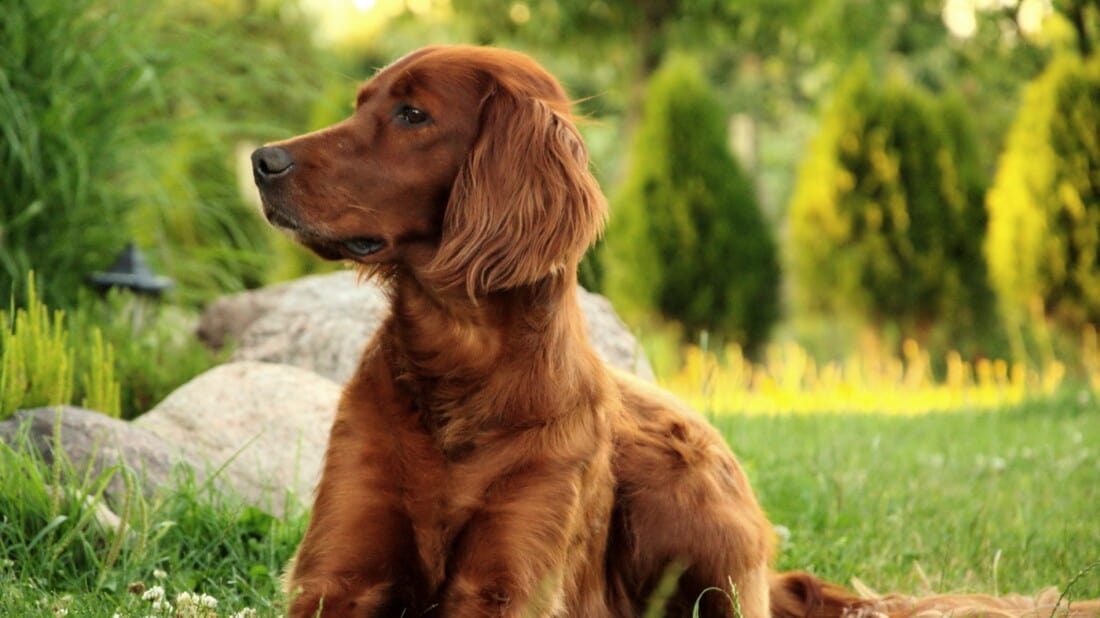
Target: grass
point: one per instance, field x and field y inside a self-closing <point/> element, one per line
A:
<point x="57" y="557"/>
<point x="983" y="502"/>
<point x="966" y="501"/>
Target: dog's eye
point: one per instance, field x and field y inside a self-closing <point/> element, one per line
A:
<point x="362" y="247"/>
<point x="411" y="116"/>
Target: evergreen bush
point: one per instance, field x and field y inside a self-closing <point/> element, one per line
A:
<point x="1044" y="206"/>
<point x="687" y="238"/>
<point x="886" y="220"/>
<point x="154" y="349"/>
<point x="38" y="361"/>
<point x="120" y="355"/>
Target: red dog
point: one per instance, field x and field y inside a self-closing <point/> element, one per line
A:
<point x="483" y="461"/>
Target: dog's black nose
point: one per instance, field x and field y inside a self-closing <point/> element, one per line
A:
<point x="270" y="162"/>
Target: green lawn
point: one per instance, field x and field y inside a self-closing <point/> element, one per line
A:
<point x="1002" y="501"/>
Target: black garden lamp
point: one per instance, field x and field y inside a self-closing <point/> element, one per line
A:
<point x="130" y="272"/>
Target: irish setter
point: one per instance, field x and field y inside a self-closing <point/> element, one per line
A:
<point x="483" y="460"/>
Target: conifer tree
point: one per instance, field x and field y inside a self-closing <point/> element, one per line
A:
<point x="687" y="239"/>
<point x="1044" y="205"/>
<point x="886" y="220"/>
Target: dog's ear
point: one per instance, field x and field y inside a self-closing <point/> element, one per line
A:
<point x="524" y="204"/>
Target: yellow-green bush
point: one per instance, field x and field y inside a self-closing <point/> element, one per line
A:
<point x="120" y="355"/>
<point x="38" y="361"/>
<point x="886" y="220"/>
<point x="687" y="239"/>
<point x="1044" y="205"/>
<point x="154" y="347"/>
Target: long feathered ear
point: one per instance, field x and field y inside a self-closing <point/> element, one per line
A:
<point x="524" y="204"/>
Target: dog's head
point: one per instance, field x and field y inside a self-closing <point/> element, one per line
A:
<point x="460" y="164"/>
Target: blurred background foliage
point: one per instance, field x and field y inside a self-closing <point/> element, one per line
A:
<point x="837" y="173"/>
<point x="120" y="121"/>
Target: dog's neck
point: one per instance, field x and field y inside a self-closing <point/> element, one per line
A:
<point x="495" y="362"/>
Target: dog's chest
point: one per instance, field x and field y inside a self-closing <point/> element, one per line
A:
<point x="440" y="499"/>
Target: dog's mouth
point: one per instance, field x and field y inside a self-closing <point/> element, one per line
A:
<point x="356" y="248"/>
<point x="280" y="220"/>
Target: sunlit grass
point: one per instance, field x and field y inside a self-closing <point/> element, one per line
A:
<point x="996" y="501"/>
<point x="789" y="380"/>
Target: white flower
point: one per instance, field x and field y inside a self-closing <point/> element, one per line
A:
<point x="159" y="574"/>
<point x="783" y="532"/>
<point x="208" y="601"/>
<point x="935" y="460"/>
<point x="247" y="612"/>
<point x="156" y="593"/>
<point x="162" y="605"/>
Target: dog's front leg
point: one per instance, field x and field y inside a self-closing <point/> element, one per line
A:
<point x="514" y="556"/>
<point x="355" y="559"/>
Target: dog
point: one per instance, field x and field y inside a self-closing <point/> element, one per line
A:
<point x="483" y="461"/>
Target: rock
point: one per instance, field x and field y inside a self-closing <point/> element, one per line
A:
<point x="105" y="518"/>
<point x="89" y="438"/>
<point x="230" y="316"/>
<point x="322" y="323"/>
<point x="611" y="338"/>
<point x="262" y="427"/>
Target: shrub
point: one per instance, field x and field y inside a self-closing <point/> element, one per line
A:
<point x="238" y="74"/>
<point x="37" y="362"/>
<point x="687" y="238"/>
<point x="154" y="346"/>
<point x="1044" y="205"/>
<point x="120" y="355"/>
<point x="120" y="120"/>
<point x="886" y="218"/>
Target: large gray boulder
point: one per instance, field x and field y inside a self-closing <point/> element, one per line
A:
<point x="90" y="444"/>
<point x="261" y="427"/>
<point x="257" y="431"/>
<point x="322" y="323"/>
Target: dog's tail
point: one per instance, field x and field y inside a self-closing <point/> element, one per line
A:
<point x="801" y="595"/>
